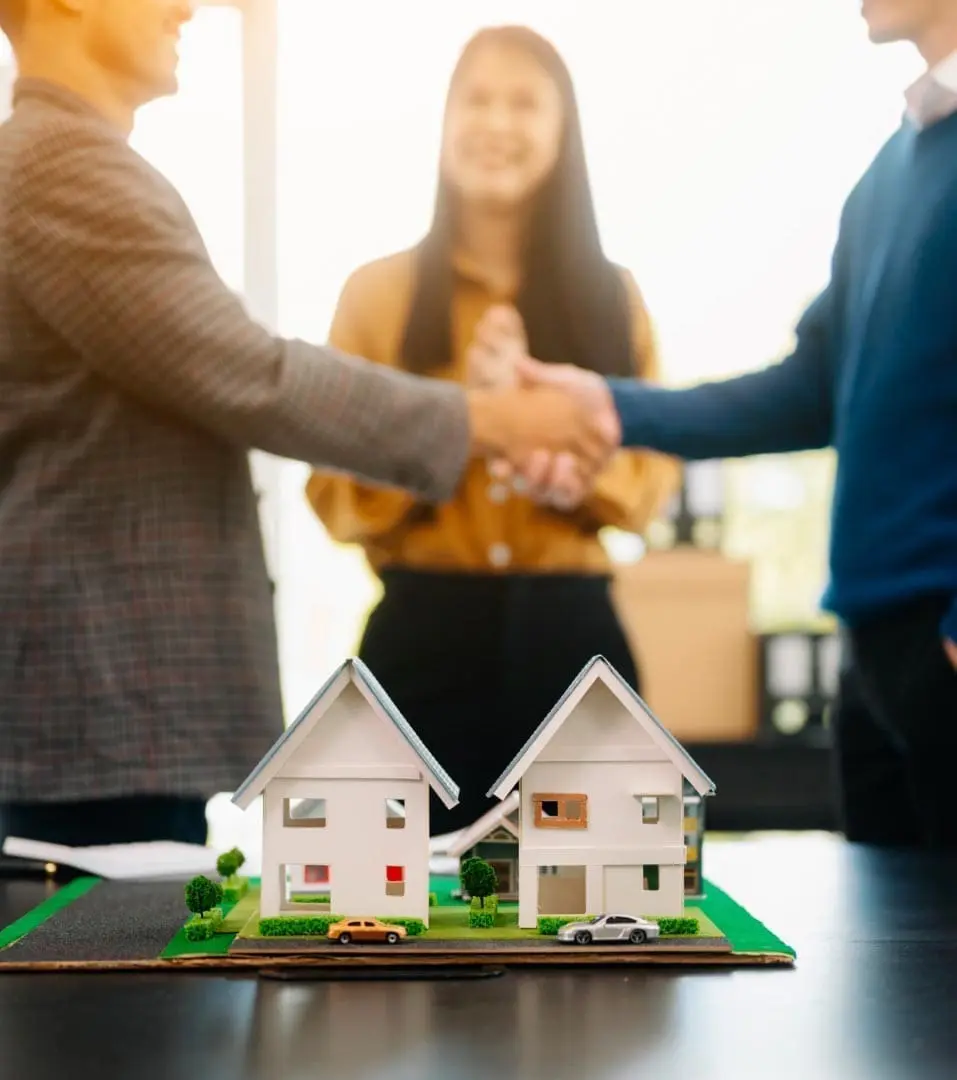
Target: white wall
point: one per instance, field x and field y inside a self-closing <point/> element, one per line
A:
<point x="356" y="845"/>
<point x="614" y="812"/>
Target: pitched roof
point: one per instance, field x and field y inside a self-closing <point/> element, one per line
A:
<point x="598" y="667"/>
<point x="351" y="670"/>
<point x="496" y="817"/>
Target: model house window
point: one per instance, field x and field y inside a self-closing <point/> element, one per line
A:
<point x="304" y="813"/>
<point x="650" y="878"/>
<point x="561" y="811"/>
<point x="650" y="810"/>
<point x="395" y="813"/>
<point x="395" y="881"/>
<point x="316" y="875"/>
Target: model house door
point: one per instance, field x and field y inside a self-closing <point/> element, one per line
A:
<point x="561" y="890"/>
<point x="504" y="872"/>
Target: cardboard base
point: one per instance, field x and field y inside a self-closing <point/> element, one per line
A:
<point x="478" y="958"/>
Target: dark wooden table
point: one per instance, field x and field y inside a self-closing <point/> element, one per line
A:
<point x="873" y="997"/>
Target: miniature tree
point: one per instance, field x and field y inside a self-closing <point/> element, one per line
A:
<point x="478" y="879"/>
<point x="227" y="864"/>
<point x="203" y="895"/>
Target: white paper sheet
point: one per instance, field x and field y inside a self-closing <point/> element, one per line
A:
<point x="121" y="862"/>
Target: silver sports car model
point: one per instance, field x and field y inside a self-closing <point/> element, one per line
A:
<point x="603" y="928"/>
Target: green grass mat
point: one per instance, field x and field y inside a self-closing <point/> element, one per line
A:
<point x="217" y="945"/>
<point x="740" y="927"/>
<point x="240" y="912"/>
<point x="724" y="915"/>
<point x="59" y="900"/>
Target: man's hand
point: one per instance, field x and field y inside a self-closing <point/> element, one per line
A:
<point x="950" y="647"/>
<point x="523" y="424"/>
<point x="498" y="344"/>
<point x="555" y="479"/>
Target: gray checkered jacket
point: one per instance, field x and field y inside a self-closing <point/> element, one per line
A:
<point x="137" y="642"/>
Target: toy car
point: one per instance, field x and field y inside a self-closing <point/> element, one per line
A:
<point x="605" y="928"/>
<point x="365" y="931"/>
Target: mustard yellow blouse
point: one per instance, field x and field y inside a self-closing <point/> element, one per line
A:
<point x="486" y="527"/>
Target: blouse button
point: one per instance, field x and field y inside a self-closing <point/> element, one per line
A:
<point x="500" y="554"/>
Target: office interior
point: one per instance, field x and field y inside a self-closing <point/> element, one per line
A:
<point x="304" y="139"/>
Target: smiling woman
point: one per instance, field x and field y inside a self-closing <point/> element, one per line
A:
<point x="494" y="600"/>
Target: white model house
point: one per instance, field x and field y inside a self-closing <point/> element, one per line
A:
<point x="346" y="806"/>
<point x="601" y="819"/>
<point x="494" y="838"/>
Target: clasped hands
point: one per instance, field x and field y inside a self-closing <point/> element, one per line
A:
<point x="572" y="425"/>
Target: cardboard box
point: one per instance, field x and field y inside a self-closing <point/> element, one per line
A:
<point x="687" y="615"/>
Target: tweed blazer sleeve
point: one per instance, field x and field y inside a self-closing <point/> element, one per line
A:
<point x="109" y="257"/>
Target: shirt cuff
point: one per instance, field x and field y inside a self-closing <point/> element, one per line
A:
<point x="948" y="625"/>
<point x="632" y="400"/>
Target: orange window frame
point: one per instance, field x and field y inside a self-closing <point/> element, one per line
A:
<point x="561" y="819"/>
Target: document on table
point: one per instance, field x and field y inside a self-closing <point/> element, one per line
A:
<point x="121" y="862"/>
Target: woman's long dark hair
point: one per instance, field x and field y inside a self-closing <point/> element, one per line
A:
<point x="572" y="299"/>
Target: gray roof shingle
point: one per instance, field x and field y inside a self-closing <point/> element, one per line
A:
<point x="692" y="764"/>
<point x="254" y="783"/>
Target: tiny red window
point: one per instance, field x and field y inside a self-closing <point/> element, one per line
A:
<point x="317" y="875"/>
<point x="395" y="873"/>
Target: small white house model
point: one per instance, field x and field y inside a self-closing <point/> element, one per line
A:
<point x="601" y="819"/>
<point x="346" y="806"/>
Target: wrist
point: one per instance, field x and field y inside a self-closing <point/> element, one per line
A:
<point x="948" y="625"/>
<point x="485" y="422"/>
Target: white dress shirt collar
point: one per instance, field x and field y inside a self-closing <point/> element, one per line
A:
<point x="934" y="95"/>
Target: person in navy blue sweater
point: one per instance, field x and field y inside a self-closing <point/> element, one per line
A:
<point x="873" y="374"/>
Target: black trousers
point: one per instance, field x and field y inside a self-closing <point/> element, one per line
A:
<point x="476" y="662"/>
<point x="896" y="731"/>
<point x="107" y="821"/>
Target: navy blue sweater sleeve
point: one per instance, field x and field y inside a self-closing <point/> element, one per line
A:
<point x="784" y="407"/>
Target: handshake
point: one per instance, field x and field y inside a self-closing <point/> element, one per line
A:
<point x="547" y="428"/>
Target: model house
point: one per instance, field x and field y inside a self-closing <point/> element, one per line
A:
<point x="494" y="837"/>
<point x="346" y="806"/>
<point x="601" y="805"/>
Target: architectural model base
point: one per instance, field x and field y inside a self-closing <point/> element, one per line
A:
<point x="93" y="925"/>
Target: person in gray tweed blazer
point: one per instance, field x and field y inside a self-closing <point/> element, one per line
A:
<point x="138" y="658"/>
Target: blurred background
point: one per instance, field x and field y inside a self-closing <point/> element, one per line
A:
<point x="723" y="140"/>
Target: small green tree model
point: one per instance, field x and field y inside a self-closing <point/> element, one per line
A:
<point x="478" y="879"/>
<point x="226" y="865"/>
<point x="229" y="862"/>
<point x="203" y="895"/>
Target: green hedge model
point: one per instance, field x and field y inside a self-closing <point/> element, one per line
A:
<point x="204" y="927"/>
<point x="549" y="925"/>
<point x="483" y="912"/>
<point x="318" y="925"/>
<point x="671" y="927"/>
<point x="413" y="927"/>
<point x="297" y="925"/>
